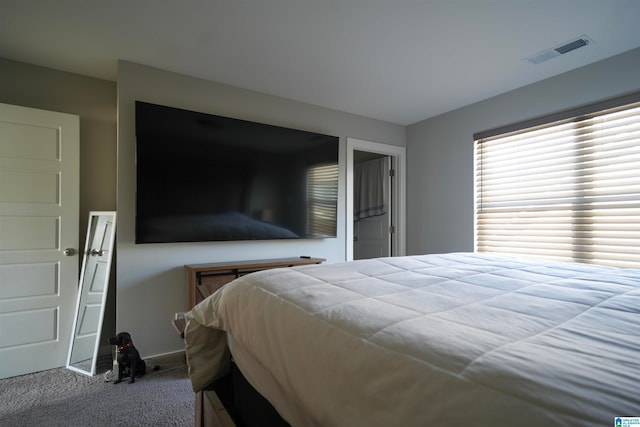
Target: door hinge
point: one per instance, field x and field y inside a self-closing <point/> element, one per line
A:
<point x="392" y="172"/>
<point x="392" y="229"/>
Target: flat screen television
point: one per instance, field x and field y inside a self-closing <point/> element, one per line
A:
<point x="202" y="177"/>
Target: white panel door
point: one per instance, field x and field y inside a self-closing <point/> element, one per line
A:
<point x="39" y="204"/>
<point x="372" y="237"/>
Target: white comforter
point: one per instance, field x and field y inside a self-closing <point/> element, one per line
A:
<point x="434" y="340"/>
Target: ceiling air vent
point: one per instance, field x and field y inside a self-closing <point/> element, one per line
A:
<point x="562" y="49"/>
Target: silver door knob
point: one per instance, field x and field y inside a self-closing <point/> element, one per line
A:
<point x="69" y="252"/>
<point x="96" y="252"/>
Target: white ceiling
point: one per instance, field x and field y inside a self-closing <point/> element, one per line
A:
<point x="396" y="60"/>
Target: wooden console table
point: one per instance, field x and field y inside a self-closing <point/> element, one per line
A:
<point x="205" y="279"/>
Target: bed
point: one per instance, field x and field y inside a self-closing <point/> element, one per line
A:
<point x="449" y="339"/>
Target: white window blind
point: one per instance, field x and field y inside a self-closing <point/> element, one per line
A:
<point x="322" y="197"/>
<point x="567" y="190"/>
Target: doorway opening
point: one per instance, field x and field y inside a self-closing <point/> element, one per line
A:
<point x="373" y="232"/>
<point x="372" y="208"/>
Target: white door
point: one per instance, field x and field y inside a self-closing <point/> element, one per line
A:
<point x="372" y="236"/>
<point x="39" y="203"/>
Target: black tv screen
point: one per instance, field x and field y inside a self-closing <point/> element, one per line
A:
<point x="202" y="177"/>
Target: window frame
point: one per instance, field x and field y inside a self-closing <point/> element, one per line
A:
<point x="573" y="121"/>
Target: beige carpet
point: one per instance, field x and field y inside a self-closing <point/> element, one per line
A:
<point x="61" y="397"/>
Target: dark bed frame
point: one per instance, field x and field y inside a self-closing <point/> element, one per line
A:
<point x="232" y="401"/>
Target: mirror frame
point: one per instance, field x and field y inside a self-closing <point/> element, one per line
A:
<point x="83" y="288"/>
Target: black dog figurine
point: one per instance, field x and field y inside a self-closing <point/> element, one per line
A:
<point x="128" y="358"/>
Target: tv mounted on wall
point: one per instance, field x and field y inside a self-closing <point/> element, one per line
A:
<point x="202" y="177"/>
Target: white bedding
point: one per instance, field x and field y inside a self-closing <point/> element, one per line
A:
<point x="454" y="339"/>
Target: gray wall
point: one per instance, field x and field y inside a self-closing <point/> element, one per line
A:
<point x="150" y="277"/>
<point x="94" y="101"/>
<point x="440" y="182"/>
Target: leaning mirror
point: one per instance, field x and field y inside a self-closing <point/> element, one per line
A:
<point x="92" y="293"/>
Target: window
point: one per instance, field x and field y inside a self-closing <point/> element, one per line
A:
<point x="565" y="187"/>
<point x="322" y="198"/>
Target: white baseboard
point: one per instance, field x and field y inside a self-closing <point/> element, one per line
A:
<point x="162" y="360"/>
<point x="166" y="359"/>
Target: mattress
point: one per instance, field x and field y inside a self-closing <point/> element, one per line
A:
<point x="450" y="339"/>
